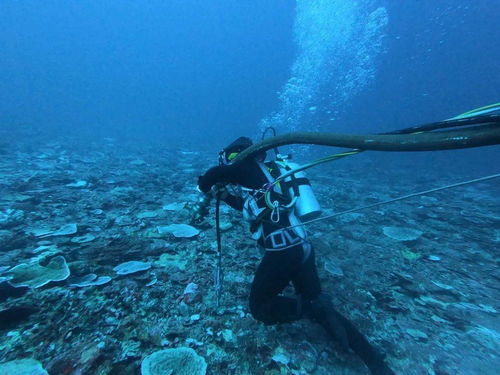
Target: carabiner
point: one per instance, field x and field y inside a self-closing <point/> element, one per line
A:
<point x="275" y="213"/>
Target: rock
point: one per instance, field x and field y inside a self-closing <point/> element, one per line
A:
<point x="179" y="230"/>
<point x="350" y="217"/>
<point x="137" y="162"/>
<point x="479" y="307"/>
<point x="402" y="234"/>
<point x="147" y="215"/>
<point x="80" y="358"/>
<point x="228" y="336"/>
<point x="177" y="361"/>
<point x="14" y="315"/>
<point x="83" y="239"/>
<point x="281" y="356"/>
<point x="225" y="226"/>
<point x="8" y="291"/>
<point x="176" y="206"/>
<point x="158" y="244"/>
<point x="133" y="266"/>
<point x="45" y="248"/>
<point x="442" y="286"/>
<point x="195" y="317"/>
<point x="77" y="184"/>
<point x="89" y="280"/>
<point x="10" y="218"/>
<point x="123" y="221"/>
<point x="82" y="280"/>
<point x="333" y="268"/>
<point x="27" y="366"/>
<point x="44" y="254"/>
<point x="410" y="255"/>
<point x="415" y="333"/>
<point x="65" y="230"/>
<point x="5" y="237"/>
<point x="130" y="349"/>
<point x="153" y="281"/>
<point x="34" y="275"/>
<point x="191" y="293"/>
<point x="172" y="261"/>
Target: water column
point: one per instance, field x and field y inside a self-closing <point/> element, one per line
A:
<point x="337" y="42"/>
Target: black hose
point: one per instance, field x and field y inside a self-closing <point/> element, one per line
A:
<point x="447" y="124"/>
<point x="275" y="149"/>
<point x="476" y="136"/>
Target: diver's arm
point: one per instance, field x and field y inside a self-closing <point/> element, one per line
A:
<point x="222" y="173"/>
<point x="234" y="202"/>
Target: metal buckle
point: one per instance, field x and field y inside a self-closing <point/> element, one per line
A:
<point x="290" y="238"/>
<point x="275" y="243"/>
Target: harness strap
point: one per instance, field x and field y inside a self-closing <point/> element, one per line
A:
<point x="293" y="181"/>
<point x="281" y="239"/>
<point x="258" y="220"/>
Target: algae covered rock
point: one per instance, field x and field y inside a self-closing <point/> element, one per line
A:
<point x="147" y="215"/>
<point x="402" y="234"/>
<point x="27" y="366"/>
<point x="65" y="230"/>
<point x="178" y="361"/>
<point x="179" y="230"/>
<point x="5" y="237"/>
<point x="83" y="239"/>
<point x="132" y="266"/>
<point x="33" y="275"/>
<point x="10" y="218"/>
<point x="172" y="261"/>
<point x="89" y="280"/>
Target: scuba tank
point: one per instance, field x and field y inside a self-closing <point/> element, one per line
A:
<point x="306" y="205"/>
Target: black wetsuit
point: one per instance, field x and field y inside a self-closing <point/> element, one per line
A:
<point x="278" y="268"/>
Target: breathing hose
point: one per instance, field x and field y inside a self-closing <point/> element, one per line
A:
<point x="484" y="132"/>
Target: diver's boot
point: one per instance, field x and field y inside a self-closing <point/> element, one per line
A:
<point x="323" y="312"/>
<point x="381" y="369"/>
<point x="372" y="358"/>
<point x="347" y="335"/>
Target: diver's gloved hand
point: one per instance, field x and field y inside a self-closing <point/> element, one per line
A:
<point x="203" y="184"/>
<point x="200" y="209"/>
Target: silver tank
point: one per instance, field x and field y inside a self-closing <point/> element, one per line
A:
<point x="307" y="206"/>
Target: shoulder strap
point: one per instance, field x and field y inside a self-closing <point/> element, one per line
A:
<point x="272" y="172"/>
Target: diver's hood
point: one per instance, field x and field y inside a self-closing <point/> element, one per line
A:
<point x="238" y="145"/>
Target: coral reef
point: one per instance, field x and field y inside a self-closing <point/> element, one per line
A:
<point x="180" y="361"/>
<point x="22" y="367"/>
<point x="427" y="296"/>
<point x="33" y="275"/>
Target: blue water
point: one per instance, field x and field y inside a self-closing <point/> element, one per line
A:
<point x="193" y="75"/>
<point x="183" y="67"/>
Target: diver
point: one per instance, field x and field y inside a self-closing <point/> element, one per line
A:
<point x="288" y="257"/>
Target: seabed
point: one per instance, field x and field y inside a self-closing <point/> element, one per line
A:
<point x="419" y="277"/>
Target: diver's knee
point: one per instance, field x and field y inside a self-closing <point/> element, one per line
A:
<point x="259" y="312"/>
